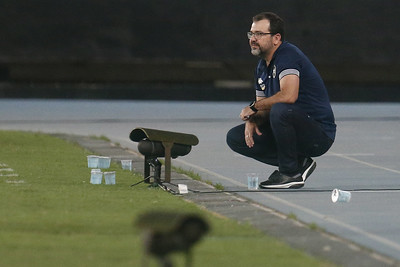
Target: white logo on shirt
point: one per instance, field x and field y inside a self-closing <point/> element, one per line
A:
<point x="261" y="83"/>
<point x="274" y="72"/>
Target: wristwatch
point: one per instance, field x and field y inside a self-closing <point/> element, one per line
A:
<point x="252" y="106"/>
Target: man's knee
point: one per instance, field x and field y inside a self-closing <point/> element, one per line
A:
<point x="234" y="136"/>
<point x="280" y="112"/>
<point x="229" y="136"/>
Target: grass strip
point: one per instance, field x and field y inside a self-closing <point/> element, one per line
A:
<point x="52" y="216"/>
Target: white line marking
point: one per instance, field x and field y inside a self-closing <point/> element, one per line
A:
<point x="211" y="173"/>
<point x="9" y="175"/>
<point x="352" y="154"/>
<point x="15" y="181"/>
<point x="364" y="162"/>
<point x="6" y="170"/>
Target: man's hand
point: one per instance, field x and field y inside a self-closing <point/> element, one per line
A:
<point x="249" y="131"/>
<point x="246" y="113"/>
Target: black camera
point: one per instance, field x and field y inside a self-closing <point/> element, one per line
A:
<point x="157" y="143"/>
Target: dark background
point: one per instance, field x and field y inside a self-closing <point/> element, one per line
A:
<point x="155" y="49"/>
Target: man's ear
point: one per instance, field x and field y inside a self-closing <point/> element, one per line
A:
<point x="277" y="38"/>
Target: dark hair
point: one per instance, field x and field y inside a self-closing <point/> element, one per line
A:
<point x="276" y="24"/>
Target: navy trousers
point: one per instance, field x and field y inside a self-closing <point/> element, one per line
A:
<point x="287" y="138"/>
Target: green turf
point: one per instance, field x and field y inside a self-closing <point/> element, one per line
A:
<point x="52" y="216"/>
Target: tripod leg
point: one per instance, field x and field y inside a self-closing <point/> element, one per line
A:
<point x="157" y="171"/>
<point x="147" y="163"/>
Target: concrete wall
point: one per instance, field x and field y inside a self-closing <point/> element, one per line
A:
<point x="112" y="41"/>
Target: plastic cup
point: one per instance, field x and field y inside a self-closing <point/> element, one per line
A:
<point x="96" y="176"/>
<point x="340" y="196"/>
<point x="126" y="164"/>
<point x="93" y="161"/>
<point x="109" y="177"/>
<point x="252" y="181"/>
<point x="104" y="162"/>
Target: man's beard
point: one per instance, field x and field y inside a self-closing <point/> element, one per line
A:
<point x="256" y="52"/>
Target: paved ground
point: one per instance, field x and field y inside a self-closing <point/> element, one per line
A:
<point x="364" y="160"/>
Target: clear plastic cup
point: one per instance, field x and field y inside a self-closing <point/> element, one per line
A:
<point x="93" y="161"/>
<point x="96" y="176"/>
<point x="340" y="196"/>
<point x="109" y="177"/>
<point x="104" y="162"/>
<point x="126" y="164"/>
<point x="252" y="181"/>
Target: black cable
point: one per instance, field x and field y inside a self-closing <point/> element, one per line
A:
<point x="148" y="177"/>
<point x="374" y="189"/>
<point x="285" y="190"/>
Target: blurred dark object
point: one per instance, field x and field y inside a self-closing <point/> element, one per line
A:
<point x="168" y="232"/>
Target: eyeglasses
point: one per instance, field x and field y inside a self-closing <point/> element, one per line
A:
<point x="258" y="35"/>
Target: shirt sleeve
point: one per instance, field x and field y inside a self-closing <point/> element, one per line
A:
<point x="289" y="64"/>
<point x="285" y="72"/>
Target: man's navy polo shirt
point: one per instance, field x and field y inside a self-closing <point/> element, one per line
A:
<point x="313" y="97"/>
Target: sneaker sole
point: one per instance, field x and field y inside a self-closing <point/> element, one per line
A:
<point x="293" y="185"/>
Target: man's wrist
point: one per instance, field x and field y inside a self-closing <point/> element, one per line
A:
<point x="252" y="106"/>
